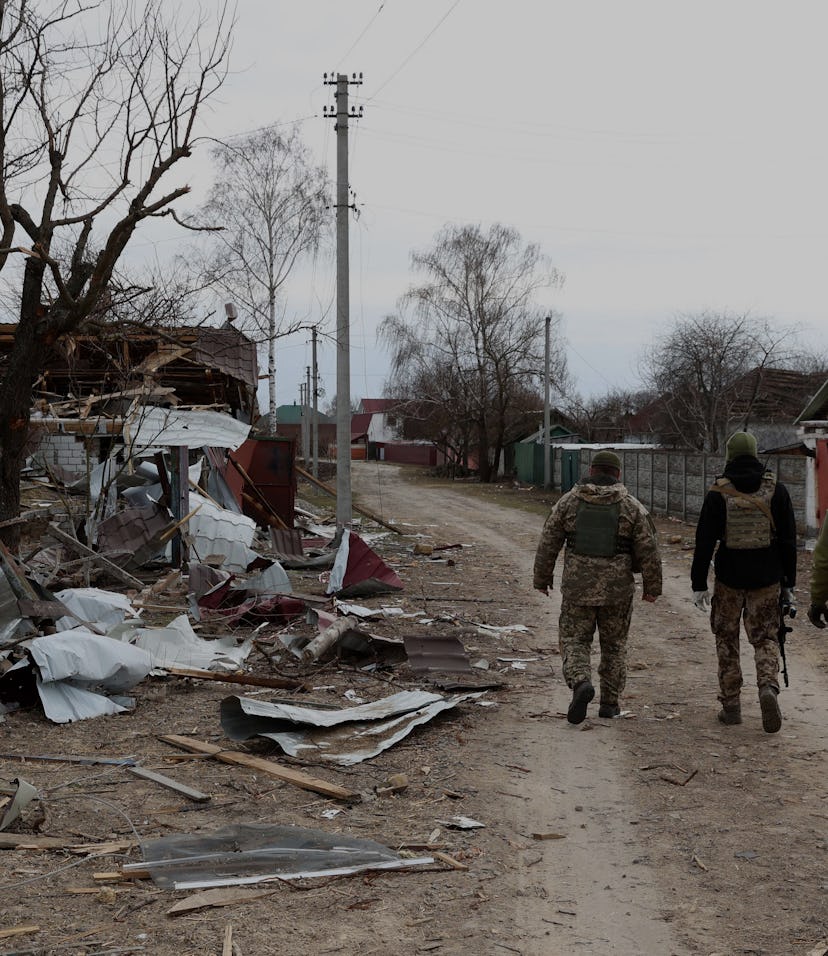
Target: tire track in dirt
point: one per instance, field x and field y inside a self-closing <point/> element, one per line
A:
<point x="731" y="860"/>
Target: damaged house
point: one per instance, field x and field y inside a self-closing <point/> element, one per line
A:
<point x="93" y="384"/>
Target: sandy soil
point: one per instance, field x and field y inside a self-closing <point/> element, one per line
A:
<point x="660" y="833"/>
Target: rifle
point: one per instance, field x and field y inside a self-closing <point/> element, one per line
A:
<point x="786" y="609"/>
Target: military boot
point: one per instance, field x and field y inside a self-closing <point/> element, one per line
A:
<point x="730" y="714"/>
<point x="582" y="694"/>
<point x="769" y="705"/>
<point x="609" y="709"/>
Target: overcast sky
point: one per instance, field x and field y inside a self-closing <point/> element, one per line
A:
<point x="668" y="157"/>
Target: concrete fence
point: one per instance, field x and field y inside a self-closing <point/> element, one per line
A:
<point x="674" y="482"/>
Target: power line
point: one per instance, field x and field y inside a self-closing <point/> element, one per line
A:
<point x="417" y="49"/>
<point x="362" y="34"/>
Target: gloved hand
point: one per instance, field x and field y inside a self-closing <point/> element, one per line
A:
<point x="818" y="614"/>
<point x="788" y="596"/>
<point x="702" y="600"/>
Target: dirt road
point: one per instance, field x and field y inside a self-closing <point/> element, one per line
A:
<point x="663" y="833"/>
<point x="676" y="835"/>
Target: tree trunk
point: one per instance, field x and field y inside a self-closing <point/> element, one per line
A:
<point x="16" y="397"/>
<point x="271" y="369"/>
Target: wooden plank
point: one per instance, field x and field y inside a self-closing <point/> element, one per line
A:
<point x="282" y="683"/>
<point x="113" y="569"/>
<point x="227" y="948"/>
<point x="208" y="899"/>
<point x="52" y="610"/>
<point x="18" y="931"/>
<point x="27" y="841"/>
<point x="295" y="777"/>
<point x="195" y="795"/>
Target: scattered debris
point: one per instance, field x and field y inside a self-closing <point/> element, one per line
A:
<point x="249" y="853"/>
<point x="23" y="793"/>
<point x="462" y="823"/>
<point x="345" y="736"/>
<point x="436" y="653"/>
<point x="196" y="795"/>
<point x="296" y="777"/>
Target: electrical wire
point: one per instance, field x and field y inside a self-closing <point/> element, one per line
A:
<point x="365" y="29"/>
<point x="416" y="50"/>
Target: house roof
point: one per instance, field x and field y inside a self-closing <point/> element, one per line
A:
<point x="359" y="424"/>
<point x="292" y="415"/>
<point x="202" y="365"/>
<point x="817" y="407"/>
<point x="772" y="394"/>
<point x="372" y="405"/>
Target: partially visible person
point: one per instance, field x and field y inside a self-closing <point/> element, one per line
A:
<point x="607" y="533"/>
<point x="749" y="516"/>
<point x="818" y="610"/>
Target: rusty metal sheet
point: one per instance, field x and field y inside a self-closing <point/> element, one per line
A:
<point x="287" y="541"/>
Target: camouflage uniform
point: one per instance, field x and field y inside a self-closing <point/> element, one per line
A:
<point x="761" y="614"/>
<point x="747" y="521"/>
<point x="819" y="569"/>
<point x="598" y="591"/>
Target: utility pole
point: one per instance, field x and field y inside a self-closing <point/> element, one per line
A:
<point x="341" y="113"/>
<point x="303" y="418"/>
<point x="315" y="441"/>
<point x="547" y="477"/>
<point x="307" y="418"/>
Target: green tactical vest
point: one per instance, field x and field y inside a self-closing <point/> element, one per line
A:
<point x="749" y="523"/>
<point x="596" y="529"/>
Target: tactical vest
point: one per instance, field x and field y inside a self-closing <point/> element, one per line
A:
<point x="596" y="530"/>
<point x="749" y="523"/>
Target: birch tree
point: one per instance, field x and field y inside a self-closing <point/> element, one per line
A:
<point x="469" y="338"/>
<point x="270" y="205"/>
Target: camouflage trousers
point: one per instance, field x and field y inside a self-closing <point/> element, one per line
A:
<point x="759" y="609"/>
<point x="576" y="627"/>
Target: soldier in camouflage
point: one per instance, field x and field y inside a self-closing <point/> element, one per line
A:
<point x="749" y="515"/>
<point x="818" y="609"/>
<point x="608" y="534"/>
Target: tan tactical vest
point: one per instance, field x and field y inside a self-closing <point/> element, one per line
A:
<point x="749" y="523"/>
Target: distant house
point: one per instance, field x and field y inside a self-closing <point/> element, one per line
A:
<point x="383" y="422"/>
<point x="764" y="401"/>
<point x="289" y="425"/>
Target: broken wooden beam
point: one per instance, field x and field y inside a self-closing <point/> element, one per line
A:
<point x="195" y="795"/>
<point x="295" y="777"/>
<point x="76" y="545"/>
<point x="282" y="683"/>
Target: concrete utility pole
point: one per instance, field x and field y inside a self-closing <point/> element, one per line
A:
<point x="315" y="441"/>
<point x="343" y="354"/>
<point x="307" y="418"/>
<point x="547" y="477"/>
<point x="303" y="418"/>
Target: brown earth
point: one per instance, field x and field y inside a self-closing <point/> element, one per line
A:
<point x="661" y="833"/>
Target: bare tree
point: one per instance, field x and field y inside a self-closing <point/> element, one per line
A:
<point x="606" y="418"/>
<point x="700" y="367"/>
<point x="475" y="339"/>
<point x="98" y="103"/>
<point x="271" y="205"/>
